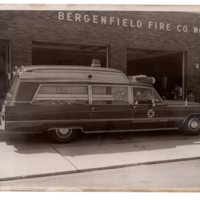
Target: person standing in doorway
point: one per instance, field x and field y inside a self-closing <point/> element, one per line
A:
<point x="190" y="96"/>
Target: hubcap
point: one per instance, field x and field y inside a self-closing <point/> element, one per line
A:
<point x="194" y="125"/>
<point x="63" y="132"/>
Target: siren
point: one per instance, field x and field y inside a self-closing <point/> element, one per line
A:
<point x="142" y="79"/>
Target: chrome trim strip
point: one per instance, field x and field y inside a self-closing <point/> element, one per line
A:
<point x="130" y="95"/>
<point x="62" y="120"/>
<point x="90" y="94"/>
<point x="132" y="130"/>
<point x="99" y="120"/>
<point x="183" y="105"/>
<point x="15" y="92"/>
<point x="36" y="92"/>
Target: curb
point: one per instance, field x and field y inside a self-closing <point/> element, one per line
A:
<point x="95" y="169"/>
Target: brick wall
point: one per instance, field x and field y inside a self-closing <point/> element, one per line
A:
<point x="23" y="27"/>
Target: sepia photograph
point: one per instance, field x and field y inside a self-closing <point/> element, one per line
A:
<point x="99" y="98"/>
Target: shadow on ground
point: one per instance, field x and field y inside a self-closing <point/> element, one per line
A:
<point x="100" y="143"/>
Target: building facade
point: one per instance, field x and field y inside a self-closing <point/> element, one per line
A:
<point x="165" y="45"/>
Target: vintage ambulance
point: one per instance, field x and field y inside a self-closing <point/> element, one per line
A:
<point x="64" y="101"/>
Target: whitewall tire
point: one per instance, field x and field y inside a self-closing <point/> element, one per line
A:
<point x="192" y="126"/>
<point x="62" y="135"/>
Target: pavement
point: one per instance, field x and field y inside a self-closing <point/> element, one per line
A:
<point x="27" y="156"/>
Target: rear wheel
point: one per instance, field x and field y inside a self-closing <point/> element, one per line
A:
<point x="62" y="135"/>
<point x="192" y="126"/>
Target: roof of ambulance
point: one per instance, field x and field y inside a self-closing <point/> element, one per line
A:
<point x="75" y="74"/>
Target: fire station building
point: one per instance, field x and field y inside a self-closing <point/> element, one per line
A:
<point x="165" y="45"/>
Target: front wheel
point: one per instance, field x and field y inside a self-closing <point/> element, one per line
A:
<point x="62" y="135"/>
<point x="192" y="126"/>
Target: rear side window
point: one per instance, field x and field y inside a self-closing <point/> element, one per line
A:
<point x="109" y="95"/>
<point x="62" y="94"/>
<point x="26" y="91"/>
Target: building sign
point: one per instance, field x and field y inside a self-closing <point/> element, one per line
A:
<point x="126" y="22"/>
<point x="99" y="19"/>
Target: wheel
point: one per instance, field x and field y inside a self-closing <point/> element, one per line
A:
<point x="61" y="135"/>
<point x="192" y="126"/>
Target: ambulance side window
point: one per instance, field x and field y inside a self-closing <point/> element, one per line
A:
<point x="110" y="95"/>
<point x="61" y="94"/>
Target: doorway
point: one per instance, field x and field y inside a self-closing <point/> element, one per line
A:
<point x="167" y="67"/>
<point x="44" y="53"/>
<point x="4" y="63"/>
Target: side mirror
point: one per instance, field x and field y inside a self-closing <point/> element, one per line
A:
<point x="151" y="102"/>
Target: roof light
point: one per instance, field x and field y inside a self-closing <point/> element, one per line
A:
<point x="18" y="70"/>
<point x="142" y="79"/>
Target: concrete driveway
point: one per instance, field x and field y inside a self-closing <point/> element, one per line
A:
<point x="25" y="156"/>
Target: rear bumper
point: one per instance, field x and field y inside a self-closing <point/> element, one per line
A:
<point x="2" y="122"/>
<point x="1" y="127"/>
<point x="2" y="118"/>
